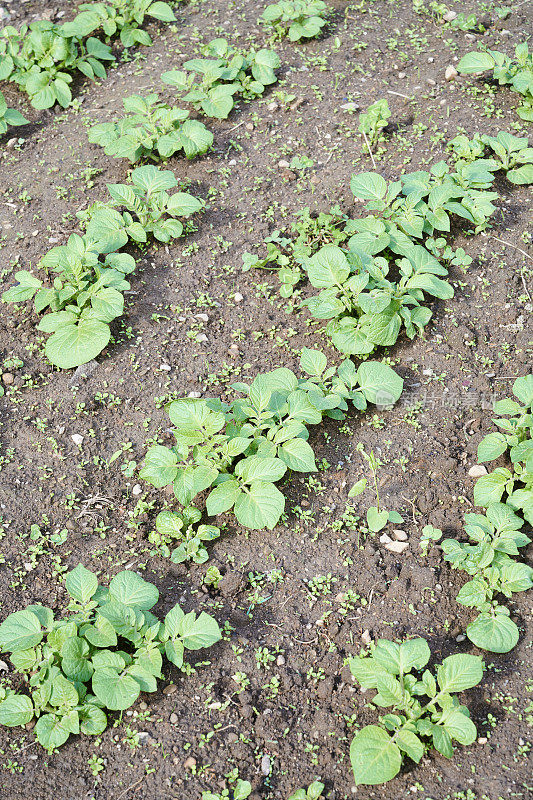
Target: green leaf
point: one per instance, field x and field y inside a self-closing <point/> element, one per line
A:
<point x="523" y="389"/>
<point x="81" y="584"/>
<point x="489" y="488"/>
<point x="223" y="497"/>
<point x="152" y="179"/>
<point x="129" y="588"/>
<point x="256" y="468"/>
<point x="160" y="466"/>
<point x="497" y="633"/>
<point x="375" y="519"/>
<point x="313" y="362"/>
<point x="115" y="691"/>
<point x="368" y="186"/>
<point x="491" y="447"/>
<point x="521" y="175"/>
<point x="328" y="267"/>
<point x="358" y="488"/>
<point x="16" y="709"/>
<point x="379" y="383"/>
<point x="77" y="344"/>
<point x="298" y="455"/>
<point x="442" y="741"/>
<point x="51" y="732"/>
<point x="260" y="507"/>
<point x="161" y="11"/>
<point x="93" y="721"/>
<point x="460" y="727"/>
<point x="475" y="62"/>
<point x="375" y="758"/>
<point x="195" y="138"/>
<point x="218" y="103"/>
<point x="410" y="744"/>
<point x="459" y="672"/>
<point x="182" y="204"/>
<point x="194" y="632"/>
<point x="20" y="631"/>
<point x="28" y="284"/>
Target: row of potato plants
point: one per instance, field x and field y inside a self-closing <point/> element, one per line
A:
<point x="375" y="272"/>
<point x="490" y="558"/>
<point x="86" y="292"/>
<point x="496" y="537"/>
<point x="42" y="58"/>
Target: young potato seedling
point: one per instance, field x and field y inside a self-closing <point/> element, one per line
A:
<point x="241" y="450"/>
<point x="296" y="19"/>
<point x="151" y="130"/>
<point x="87" y="293"/>
<point x="102" y="656"/>
<point x="411" y="726"/>
<point x="210" y="84"/>
<point x="515" y="72"/>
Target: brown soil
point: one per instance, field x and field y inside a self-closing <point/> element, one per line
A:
<point x="477" y="343"/>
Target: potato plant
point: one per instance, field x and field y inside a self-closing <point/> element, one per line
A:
<point x="372" y="122"/>
<point x="375" y="276"/>
<point x="515" y="72"/>
<point x="173" y="526"/>
<point x="123" y="17"/>
<point x="151" y="130"/>
<point x="412" y="725"/>
<point x="239" y="451"/>
<point x="100" y="657"/>
<point x="313" y="792"/>
<point x="511" y="154"/>
<point x="43" y="57"/>
<point x="497" y="536"/>
<point x="86" y="294"/>
<point x="296" y="19"/>
<point x="210" y="84"/>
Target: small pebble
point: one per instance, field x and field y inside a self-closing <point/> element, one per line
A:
<point x="400" y="535"/>
<point x="189" y="763"/>
<point x="477" y="471"/>
<point x="450" y="73"/>
<point x="238" y="297"/>
<point x="265" y="766"/>
<point x="366" y="637"/>
<point x="77" y="438"/>
<point x="385" y="538"/>
<point x="137" y="489"/>
<point x="397" y="547"/>
<point x="7" y="378"/>
<point x="170" y="689"/>
<point x="173" y="718"/>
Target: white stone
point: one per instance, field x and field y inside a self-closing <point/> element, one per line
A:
<point x="400" y="535"/>
<point x="477" y="471"/>
<point x="77" y="438"/>
<point x="450" y="73"/>
<point x="397" y="547"/>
